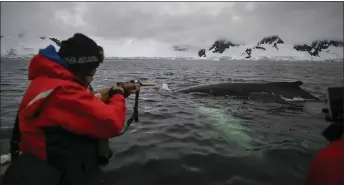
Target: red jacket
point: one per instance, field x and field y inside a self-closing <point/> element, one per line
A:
<point x="63" y="101"/>
<point x="327" y="168"/>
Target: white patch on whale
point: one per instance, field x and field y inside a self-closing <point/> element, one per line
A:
<point x="226" y="125"/>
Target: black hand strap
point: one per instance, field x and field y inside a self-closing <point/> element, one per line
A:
<point x="135" y="116"/>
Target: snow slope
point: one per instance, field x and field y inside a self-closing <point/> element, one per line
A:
<point x="14" y="47"/>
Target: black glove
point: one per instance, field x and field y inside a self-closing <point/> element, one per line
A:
<point x="126" y="94"/>
<point x="112" y="92"/>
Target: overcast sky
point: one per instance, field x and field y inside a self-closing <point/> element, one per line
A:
<point x="194" y="23"/>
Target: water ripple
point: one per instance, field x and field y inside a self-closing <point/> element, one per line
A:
<point x="187" y="139"/>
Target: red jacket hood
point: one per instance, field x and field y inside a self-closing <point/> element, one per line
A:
<point x="48" y="64"/>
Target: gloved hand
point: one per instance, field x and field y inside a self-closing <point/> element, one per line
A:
<point x="125" y="88"/>
<point x="131" y="88"/>
<point x="116" y="89"/>
<point x="118" y="86"/>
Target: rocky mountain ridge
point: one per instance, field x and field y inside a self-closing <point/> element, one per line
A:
<point x="274" y="41"/>
<point x="270" y="47"/>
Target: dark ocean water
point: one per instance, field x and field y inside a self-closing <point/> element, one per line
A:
<point x="187" y="139"/>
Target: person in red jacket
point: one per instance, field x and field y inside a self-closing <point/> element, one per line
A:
<point x="327" y="168"/>
<point x="60" y="120"/>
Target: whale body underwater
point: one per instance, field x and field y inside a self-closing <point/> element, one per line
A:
<point x="288" y="90"/>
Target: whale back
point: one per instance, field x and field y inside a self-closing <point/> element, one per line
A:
<point x="280" y="89"/>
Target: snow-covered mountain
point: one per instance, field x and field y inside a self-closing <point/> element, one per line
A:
<point x="317" y="46"/>
<point x="13" y="47"/>
<point x="271" y="47"/>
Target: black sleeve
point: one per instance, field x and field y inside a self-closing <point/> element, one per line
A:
<point x="15" y="139"/>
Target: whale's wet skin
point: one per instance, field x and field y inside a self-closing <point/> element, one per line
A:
<point x="193" y="139"/>
<point x="284" y="90"/>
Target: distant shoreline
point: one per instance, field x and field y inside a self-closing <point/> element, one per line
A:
<point x="198" y="59"/>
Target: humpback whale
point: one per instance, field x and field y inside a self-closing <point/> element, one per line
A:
<point x="288" y="90"/>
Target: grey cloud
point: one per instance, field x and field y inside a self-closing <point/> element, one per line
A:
<point x="34" y="18"/>
<point x="197" y="23"/>
<point x="156" y="21"/>
<point x="300" y="21"/>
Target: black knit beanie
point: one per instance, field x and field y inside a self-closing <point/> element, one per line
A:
<point x="81" y="54"/>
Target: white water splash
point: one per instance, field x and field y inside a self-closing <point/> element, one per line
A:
<point x="294" y="99"/>
<point x="165" y="87"/>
